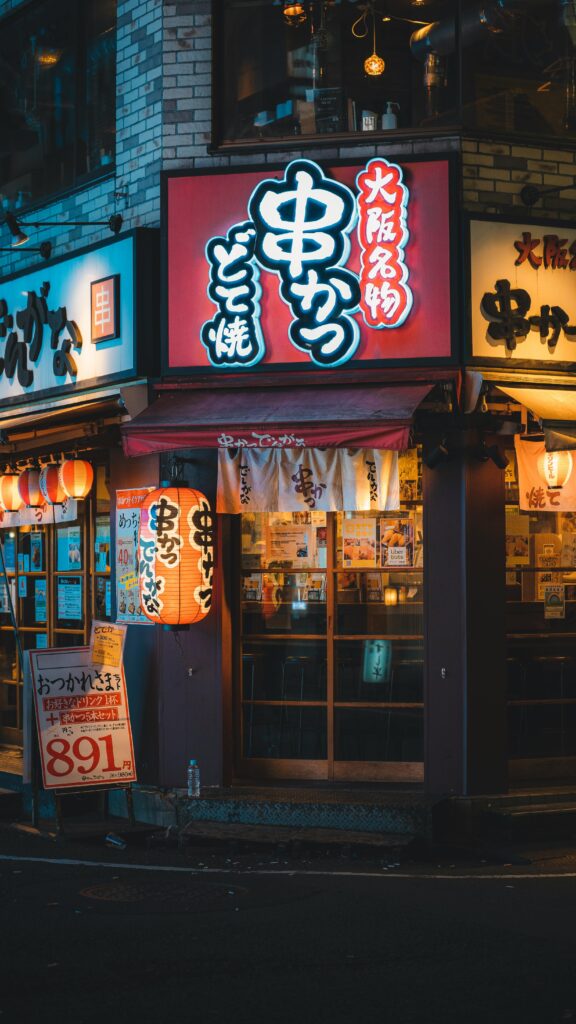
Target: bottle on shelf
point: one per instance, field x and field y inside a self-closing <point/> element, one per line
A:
<point x="193" y="779"/>
<point x="390" y="118"/>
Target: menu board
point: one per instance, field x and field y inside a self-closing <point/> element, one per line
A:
<point x="128" y="506"/>
<point x="84" y="733"/>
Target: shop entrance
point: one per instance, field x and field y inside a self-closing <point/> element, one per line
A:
<point x="541" y="625"/>
<point x="329" y="648"/>
<point x="59" y="579"/>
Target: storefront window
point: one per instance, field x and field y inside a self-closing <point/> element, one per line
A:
<point x="57" y="97"/>
<point x="58" y="578"/>
<point x="331" y="661"/>
<point x="541" y="627"/>
<point x="299" y="69"/>
<point x="519" y="67"/>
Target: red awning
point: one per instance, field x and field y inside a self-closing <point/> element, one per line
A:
<point x="360" y="416"/>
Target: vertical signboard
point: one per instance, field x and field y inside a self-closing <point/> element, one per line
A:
<point x="82" y="718"/>
<point x="128" y="506"/>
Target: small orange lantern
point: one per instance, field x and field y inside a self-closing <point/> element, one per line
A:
<point x="555" y="468"/>
<point x="9" y="494"/>
<point x="76" y="478"/>
<point x="29" y="488"/>
<point x="52" y="490"/>
<point x="176" y="556"/>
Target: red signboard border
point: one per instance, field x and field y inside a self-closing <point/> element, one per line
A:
<point x="354" y="365"/>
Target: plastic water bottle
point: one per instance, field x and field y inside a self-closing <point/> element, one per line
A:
<point x="193" y="776"/>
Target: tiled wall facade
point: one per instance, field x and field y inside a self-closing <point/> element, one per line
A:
<point x="164" y="89"/>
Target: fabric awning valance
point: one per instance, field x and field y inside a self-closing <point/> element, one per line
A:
<point x="362" y="415"/>
<point x="556" y="407"/>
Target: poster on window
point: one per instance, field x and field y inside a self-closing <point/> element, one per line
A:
<point x="290" y="545"/>
<point x="83" y="720"/>
<point x="40" y="600"/>
<point x="554" y="601"/>
<point x="69" y="599"/>
<point x="359" y="543"/>
<point x="396" y="543"/>
<point x="128" y="505"/>
<point x="517" y="537"/>
<point x="69" y="548"/>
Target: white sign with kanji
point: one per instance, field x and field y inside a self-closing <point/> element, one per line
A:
<point x="523" y="297"/>
<point x="83" y="720"/>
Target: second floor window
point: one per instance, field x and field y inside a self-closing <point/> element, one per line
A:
<point x="57" y="97"/>
<point x="297" y="68"/>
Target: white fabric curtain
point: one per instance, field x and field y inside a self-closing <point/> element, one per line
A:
<point x="300" y="479"/>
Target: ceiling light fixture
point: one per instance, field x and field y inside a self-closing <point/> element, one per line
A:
<point x="294" y="13"/>
<point x="374" y="65"/>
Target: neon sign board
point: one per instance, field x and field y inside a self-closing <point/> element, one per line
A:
<point x="299" y="229"/>
<point x="308" y="266"/>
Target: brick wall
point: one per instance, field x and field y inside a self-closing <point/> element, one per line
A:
<point x="493" y="174"/>
<point x="133" y="188"/>
<point x="163" y="120"/>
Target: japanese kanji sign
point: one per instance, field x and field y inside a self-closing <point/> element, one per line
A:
<point x="104" y="308"/>
<point x="128" y="505"/>
<point x="82" y="719"/>
<point x="534" y="494"/>
<point x="50" y="317"/>
<point x="523" y="297"/>
<point x="309" y="265"/>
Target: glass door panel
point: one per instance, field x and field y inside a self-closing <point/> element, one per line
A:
<point x="331" y="656"/>
<point x="541" y="645"/>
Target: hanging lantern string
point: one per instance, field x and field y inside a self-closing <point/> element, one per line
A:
<point x="363" y="22"/>
<point x="368" y="9"/>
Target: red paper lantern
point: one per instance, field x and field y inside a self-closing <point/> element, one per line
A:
<point x="9" y="494"/>
<point x="52" y="490"/>
<point x="176" y="556"/>
<point x="29" y="488"/>
<point x="76" y="477"/>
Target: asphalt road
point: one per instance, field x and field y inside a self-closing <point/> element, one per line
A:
<point x="132" y="943"/>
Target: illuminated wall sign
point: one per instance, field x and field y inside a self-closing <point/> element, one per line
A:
<point x="105" y="308"/>
<point x="308" y="266"/>
<point x="523" y="299"/>
<point x="386" y="299"/>
<point x="50" y="316"/>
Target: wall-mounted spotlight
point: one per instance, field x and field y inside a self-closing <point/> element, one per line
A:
<point x="437" y="455"/>
<point x="531" y="194"/>
<point x="19" y="237"/>
<point x="45" y="249"/>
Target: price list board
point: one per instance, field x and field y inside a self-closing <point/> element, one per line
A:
<point x="83" y="720"/>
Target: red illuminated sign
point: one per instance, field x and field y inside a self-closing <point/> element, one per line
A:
<point x="309" y="267"/>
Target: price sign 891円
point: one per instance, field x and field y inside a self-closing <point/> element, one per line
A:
<point x="83" y="720"/>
